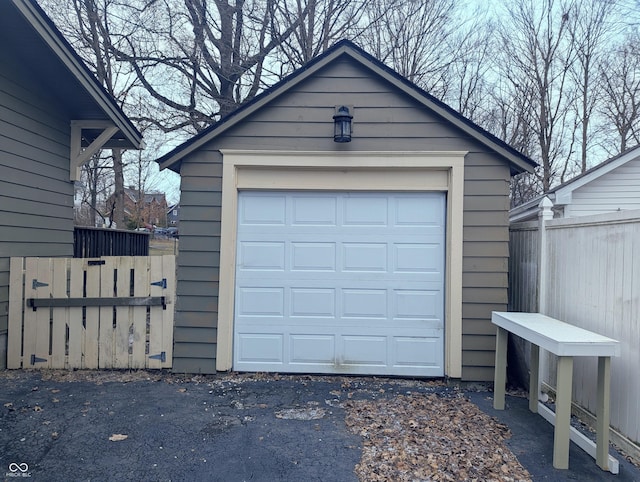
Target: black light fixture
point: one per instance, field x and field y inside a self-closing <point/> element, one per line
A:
<point x="342" y="125"/>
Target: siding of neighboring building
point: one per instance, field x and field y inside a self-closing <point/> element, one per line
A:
<point x="384" y="120"/>
<point x="615" y="190"/>
<point x="36" y="196"/>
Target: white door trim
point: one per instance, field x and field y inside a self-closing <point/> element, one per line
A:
<point x="370" y="171"/>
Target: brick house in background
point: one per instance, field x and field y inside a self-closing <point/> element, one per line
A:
<point x="143" y="209"/>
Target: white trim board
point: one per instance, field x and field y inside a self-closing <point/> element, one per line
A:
<point x="371" y="171"/>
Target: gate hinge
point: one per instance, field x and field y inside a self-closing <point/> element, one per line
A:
<point x="162" y="283"/>
<point x="35" y="359"/>
<point x="35" y="284"/>
<point x="162" y="356"/>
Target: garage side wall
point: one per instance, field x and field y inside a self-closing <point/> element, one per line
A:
<point x="196" y="314"/>
<point x="36" y="196"/>
<point x="485" y="260"/>
<point x="384" y="120"/>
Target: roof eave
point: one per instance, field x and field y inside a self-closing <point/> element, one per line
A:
<point x="51" y="36"/>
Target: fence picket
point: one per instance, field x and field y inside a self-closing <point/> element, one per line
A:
<point x="59" y="323"/>
<point x="107" y="314"/>
<point x="141" y="287"/>
<point x="76" y="330"/>
<point x="168" y="273"/>
<point x="92" y="316"/>
<point x="123" y="313"/>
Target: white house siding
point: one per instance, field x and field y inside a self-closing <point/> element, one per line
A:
<point x="384" y="120"/>
<point x="614" y="191"/>
<point x="36" y="196"/>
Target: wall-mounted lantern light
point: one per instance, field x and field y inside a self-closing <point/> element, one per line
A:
<point x="342" y="125"/>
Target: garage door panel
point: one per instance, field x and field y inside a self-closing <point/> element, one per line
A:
<point x="260" y="347"/>
<point x="313" y="302"/>
<point x="365" y="303"/>
<point x="418" y="258"/>
<point x="262" y="210"/>
<point x="314" y="211"/>
<point x="260" y="302"/>
<point x="307" y="256"/>
<point x="340" y="283"/>
<point x="365" y="210"/>
<point x="417" y="304"/>
<point x="312" y="349"/>
<point x="424" y="211"/>
<point x="364" y="257"/>
<point x="261" y="255"/>
<point x="417" y="352"/>
<point x="364" y="350"/>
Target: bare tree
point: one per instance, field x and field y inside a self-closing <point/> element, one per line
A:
<point x="415" y="38"/>
<point x="621" y="87"/>
<point x="95" y="184"/>
<point x="320" y="24"/>
<point x="202" y="58"/>
<point x="468" y="75"/>
<point x="538" y="54"/>
<point x="591" y="24"/>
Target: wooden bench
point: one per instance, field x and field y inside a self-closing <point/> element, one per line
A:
<point x="566" y="341"/>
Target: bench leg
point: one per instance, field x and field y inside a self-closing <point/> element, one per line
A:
<point x="500" y="377"/>
<point x="534" y="378"/>
<point x="563" y="413"/>
<point x="603" y="411"/>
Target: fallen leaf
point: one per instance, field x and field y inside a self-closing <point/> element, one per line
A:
<point x="117" y="437"/>
<point x="55" y="400"/>
<point x="37" y="409"/>
<point x="55" y="390"/>
<point x="8" y="404"/>
<point x="182" y="390"/>
<point x="54" y="435"/>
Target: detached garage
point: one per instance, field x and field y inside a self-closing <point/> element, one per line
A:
<point x="300" y="252"/>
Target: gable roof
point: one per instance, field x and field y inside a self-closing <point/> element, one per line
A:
<point x="519" y="162"/>
<point x="25" y="28"/>
<point x="562" y="194"/>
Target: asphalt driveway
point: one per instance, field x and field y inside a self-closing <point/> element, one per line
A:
<point x="151" y="427"/>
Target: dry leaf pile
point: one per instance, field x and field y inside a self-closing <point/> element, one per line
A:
<point x="430" y="437"/>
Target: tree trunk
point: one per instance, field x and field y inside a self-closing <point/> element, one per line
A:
<point x="118" y="175"/>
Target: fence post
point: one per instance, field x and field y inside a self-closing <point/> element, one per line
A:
<point x="544" y="214"/>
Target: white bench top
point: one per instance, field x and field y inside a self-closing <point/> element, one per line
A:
<point x="556" y="336"/>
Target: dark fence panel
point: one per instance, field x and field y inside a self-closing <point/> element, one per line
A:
<point x="95" y="242"/>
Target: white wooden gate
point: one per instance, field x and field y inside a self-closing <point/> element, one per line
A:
<point x="111" y="312"/>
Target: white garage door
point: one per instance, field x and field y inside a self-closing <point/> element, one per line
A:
<point x="340" y="283"/>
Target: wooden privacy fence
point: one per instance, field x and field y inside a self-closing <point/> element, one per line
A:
<point x="95" y="242"/>
<point x="111" y="312"/>
<point x="590" y="277"/>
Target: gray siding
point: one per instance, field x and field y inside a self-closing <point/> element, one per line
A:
<point x="196" y="317"/>
<point x="384" y="119"/>
<point x="36" y="196"/>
